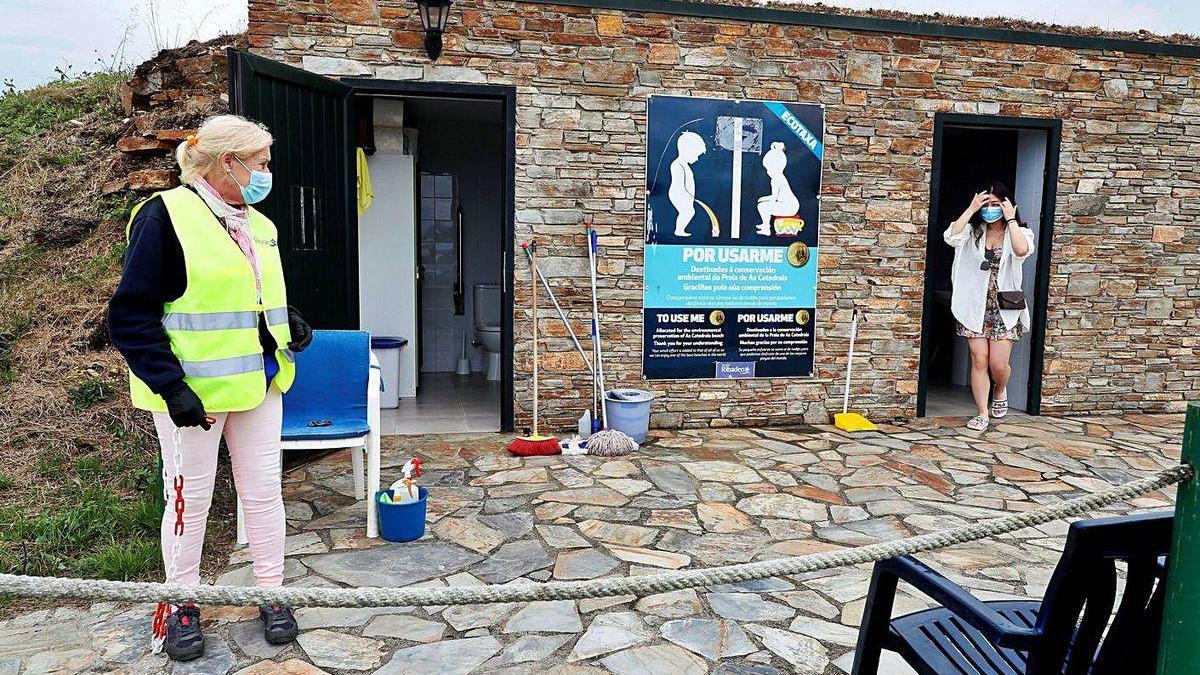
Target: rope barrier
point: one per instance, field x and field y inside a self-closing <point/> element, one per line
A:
<point x="98" y="590"/>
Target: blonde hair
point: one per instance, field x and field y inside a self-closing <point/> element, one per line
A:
<point x="219" y="134"/>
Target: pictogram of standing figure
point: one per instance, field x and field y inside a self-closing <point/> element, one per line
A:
<point x="682" y="191"/>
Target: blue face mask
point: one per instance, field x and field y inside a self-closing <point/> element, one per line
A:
<point x="991" y="214"/>
<point x="259" y="186"/>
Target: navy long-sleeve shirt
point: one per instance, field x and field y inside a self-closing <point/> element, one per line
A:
<point x="154" y="275"/>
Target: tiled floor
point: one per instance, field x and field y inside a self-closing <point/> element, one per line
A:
<point x="446" y="403"/>
<point x="952" y="401"/>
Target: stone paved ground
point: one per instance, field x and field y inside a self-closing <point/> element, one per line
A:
<point x="689" y="499"/>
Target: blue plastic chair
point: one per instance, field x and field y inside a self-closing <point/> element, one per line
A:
<point x="1063" y="634"/>
<point x="334" y="403"/>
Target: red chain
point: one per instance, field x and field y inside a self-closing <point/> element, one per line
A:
<point x="160" y="619"/>
<point x="179" y="505"/>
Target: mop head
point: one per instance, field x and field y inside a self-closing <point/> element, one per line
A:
<point x="610" y="443"/>
<point x="849" y="421"/>
<point x="528" y="446"/>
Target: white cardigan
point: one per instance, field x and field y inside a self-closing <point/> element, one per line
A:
<point x="968" y="302"/>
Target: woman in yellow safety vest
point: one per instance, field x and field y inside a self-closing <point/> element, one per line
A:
<point x="202" y="319"/>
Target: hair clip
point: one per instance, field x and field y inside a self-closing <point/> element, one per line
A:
<point x="192" y="140"/>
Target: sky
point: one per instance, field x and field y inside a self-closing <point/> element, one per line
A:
<point x="37" y="36"/>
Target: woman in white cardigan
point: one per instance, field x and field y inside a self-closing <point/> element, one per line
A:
<point x="990" y="242"/>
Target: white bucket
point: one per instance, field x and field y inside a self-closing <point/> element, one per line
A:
<point x="629" y="412"/>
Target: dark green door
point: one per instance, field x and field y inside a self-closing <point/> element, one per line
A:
<point x="313" y="201"/>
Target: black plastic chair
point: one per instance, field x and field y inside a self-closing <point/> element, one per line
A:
<point x="1063" y="634"/>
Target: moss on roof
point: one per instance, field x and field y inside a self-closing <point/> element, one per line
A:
<point x="954" y="20"/>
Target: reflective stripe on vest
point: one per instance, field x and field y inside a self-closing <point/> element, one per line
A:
<point x="214" y="326"/>
<point x="276" y="316"/>
<point x="221" y="367"/>
<point x="222" y="320"/>
<point x="210" y="321"/>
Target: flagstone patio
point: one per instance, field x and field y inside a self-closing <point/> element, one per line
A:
<point x="688" y="499"/>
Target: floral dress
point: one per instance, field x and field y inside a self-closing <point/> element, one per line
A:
<point x="993" y="324"/>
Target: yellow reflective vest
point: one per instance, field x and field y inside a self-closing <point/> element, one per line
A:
<point x="213" y="326"/>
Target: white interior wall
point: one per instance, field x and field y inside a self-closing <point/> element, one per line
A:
<point x="387" y="243"/>
<point x="1031" y="178"/>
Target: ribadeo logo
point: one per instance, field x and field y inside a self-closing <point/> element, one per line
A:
<point x="735" y="369"/>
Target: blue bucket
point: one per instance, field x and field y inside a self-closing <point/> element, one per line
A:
<point x="401" y="522"/>
<point x="629" y="412"/>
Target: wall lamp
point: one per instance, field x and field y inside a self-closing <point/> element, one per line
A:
<point x="434" y="14"/>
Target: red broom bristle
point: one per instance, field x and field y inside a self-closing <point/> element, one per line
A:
<point x="528" y="447"/>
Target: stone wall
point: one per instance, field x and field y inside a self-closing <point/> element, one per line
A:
<point x="1122" y="321"/>
<point x="166" y="98"/>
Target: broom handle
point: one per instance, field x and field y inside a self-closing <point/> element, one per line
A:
<point x="850" y="359"/>
<point x="592" y="255"/>
<point x="533" y="277"/>
<point x="561" y="314"/>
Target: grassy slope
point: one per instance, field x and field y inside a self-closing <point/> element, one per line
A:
<point x="77" y="464"/>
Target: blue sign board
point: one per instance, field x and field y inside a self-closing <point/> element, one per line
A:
<point x="732" y="214"/>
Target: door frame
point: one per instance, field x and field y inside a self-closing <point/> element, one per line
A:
<point x="1041" y="291"/>
<point x="507" y="96"/>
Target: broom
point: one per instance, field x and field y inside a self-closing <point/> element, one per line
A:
<point x="535" y="444"/>
<point x="845" y="420"/>
<point x="606" y="442"/>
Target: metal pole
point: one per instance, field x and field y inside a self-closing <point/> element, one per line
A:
<point x="735" y="194"/>
<point x="1179" y="648"/>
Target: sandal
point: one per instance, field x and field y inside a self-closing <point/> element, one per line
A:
<point x="999" y="408"/>
<point x="978" y="423"/>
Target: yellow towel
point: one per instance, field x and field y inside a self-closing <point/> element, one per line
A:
<point x="365" y="195"/>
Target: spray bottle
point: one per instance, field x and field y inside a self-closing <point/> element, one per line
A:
<point x="405" y="491"/>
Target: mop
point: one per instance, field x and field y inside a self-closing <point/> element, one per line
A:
<point x="848" y="421"/>
<point x="585" y="422"/>
<point x="535" y="444"/>
<point x="606" y="442"/>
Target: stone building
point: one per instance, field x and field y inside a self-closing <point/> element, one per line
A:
<point x="1115" y="121"/>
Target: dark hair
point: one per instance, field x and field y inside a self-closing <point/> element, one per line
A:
<point x="1001" y="192"/>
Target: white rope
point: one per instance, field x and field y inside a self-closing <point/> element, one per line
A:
<point x="91" y="589"/>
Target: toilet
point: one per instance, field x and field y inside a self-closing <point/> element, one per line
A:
<point x="487" y="325"/>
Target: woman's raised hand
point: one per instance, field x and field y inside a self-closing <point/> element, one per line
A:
<point x="1009" y="209"/>
<point x="978" y="201"/>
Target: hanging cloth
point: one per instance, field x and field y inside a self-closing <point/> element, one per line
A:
<point x="365" y="195"/>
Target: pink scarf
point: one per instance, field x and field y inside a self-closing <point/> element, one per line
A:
<point x="234" y="219"/>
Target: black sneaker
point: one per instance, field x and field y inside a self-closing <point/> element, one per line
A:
<point x="184" y="641"/>
<point x="279" y="624"/>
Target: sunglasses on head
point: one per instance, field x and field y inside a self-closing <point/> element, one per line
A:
<point x="989" y="258"/>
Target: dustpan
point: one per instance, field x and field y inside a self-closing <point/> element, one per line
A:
<point x="845" y="420"/>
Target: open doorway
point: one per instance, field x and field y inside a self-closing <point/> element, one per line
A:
<point x="969" y="152"/>
<point x="431" y="254"/>
<point x="320" y="124"/>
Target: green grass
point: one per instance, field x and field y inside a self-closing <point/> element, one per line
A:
<point x="88" y="392"/>
<point x="6" y="481"/>
<point x="123" y="562"/>
<point x="89" y="467"/>
<point x="25" y="114"/>
<point x="89" y="532"/>
<point x="69" y="158"/>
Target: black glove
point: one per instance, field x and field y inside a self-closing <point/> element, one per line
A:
<point x="186" y="409"/>
<point x="301" y="332"/>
